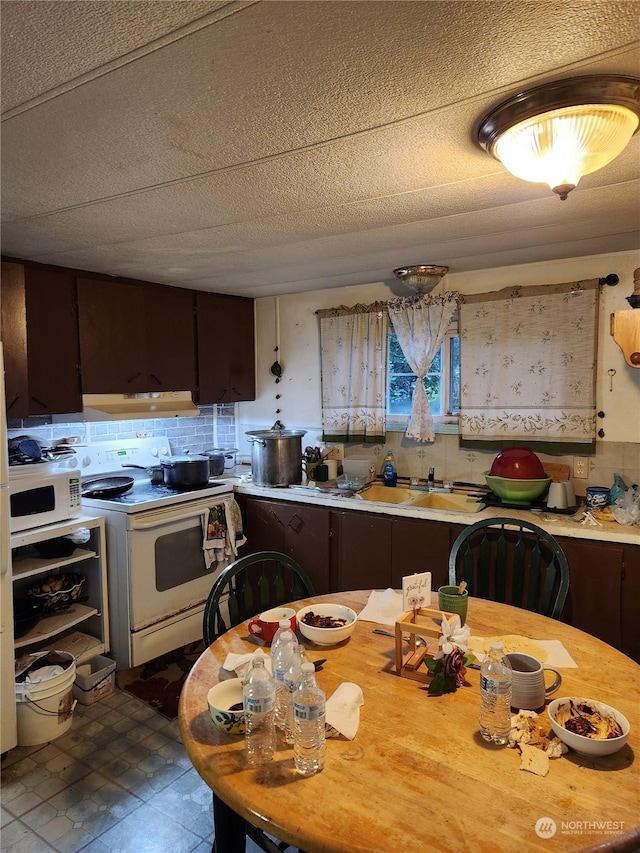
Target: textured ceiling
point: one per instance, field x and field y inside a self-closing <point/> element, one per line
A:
<point x="264" y="148"/>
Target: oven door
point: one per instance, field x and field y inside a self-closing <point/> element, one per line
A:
<point x="167" y="569"/>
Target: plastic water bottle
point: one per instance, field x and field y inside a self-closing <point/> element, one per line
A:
<point x="389" y="473"/>
<point x="283" y="625"/>
<point x="495" y="695"/>
<point x="281" y="656"/>
<point x="292" y="678"/>
<point x="309" y="745"/>
<point x="259" y="701"/>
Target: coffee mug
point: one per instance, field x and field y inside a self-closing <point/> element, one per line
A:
<point x="266" y="624"/>
<point x="451" y="602"/>
<point x="528" y="687"/>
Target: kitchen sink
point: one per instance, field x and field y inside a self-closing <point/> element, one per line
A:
<point x="389" y="494"/>
<point x="452" y="502"/>
<point x="447" y="501"/>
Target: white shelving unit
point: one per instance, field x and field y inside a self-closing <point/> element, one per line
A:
<point x="83" y="628"/>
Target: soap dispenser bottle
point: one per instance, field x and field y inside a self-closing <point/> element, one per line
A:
<point x="389" y="474"/>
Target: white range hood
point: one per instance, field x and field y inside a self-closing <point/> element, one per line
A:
<point x="122" y="407"/>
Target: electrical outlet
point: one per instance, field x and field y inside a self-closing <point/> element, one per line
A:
<point x="580" y="467"/>
<point x="334" y="451"/>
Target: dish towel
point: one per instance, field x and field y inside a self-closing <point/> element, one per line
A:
<point x="235" y="534"/>
<point x="215" y="534"/>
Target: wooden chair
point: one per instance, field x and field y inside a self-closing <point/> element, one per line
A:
<point x="245" y="588"/>
<point x="514" y="562"/>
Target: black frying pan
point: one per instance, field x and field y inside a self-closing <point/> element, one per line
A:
<point x="106" y="487"/>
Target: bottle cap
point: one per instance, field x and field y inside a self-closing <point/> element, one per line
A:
<point x="284" y="623"/>
<point x="497" y="647"/>
<point x="286" y="635"/>
<point x="307" y="666"/>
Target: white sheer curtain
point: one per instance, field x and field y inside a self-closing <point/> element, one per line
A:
<point x="527" y="366"/>
<point x="353" y="358"/>
<point x="420" y="324"/>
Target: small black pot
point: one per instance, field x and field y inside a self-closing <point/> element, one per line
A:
<point x="26" y="615"/>
<point x="216" y="462"/>
<point x="186" y="472"/>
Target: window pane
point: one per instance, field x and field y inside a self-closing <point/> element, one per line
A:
<point x="454" y="375"/>
<point x="400" y="392"/>
<point x="397" y="361"/>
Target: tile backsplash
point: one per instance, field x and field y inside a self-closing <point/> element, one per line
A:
<point x="215" y="426"/>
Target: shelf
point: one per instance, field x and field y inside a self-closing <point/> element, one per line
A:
<point x="27" y="566"/>
<point x="49" y="626"/>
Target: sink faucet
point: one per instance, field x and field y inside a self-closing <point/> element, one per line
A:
<point x="431" y="483"/>
<point x="431" y="478"/>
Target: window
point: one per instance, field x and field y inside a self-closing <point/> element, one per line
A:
<point x="442" y="383"/>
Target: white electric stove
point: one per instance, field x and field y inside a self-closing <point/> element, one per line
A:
<point x="158" y="575"/>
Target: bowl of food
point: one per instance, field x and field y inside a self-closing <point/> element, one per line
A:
<point x="517" y="491"/>
<point x="517" y="463"/>
<point x="326" y="624"/>
<point x="587" y="726"/>
<point x="225" y="706"/>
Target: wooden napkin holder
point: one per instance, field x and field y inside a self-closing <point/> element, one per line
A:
<point x="424" y="622"/>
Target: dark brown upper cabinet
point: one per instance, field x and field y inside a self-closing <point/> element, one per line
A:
<point x="226" y="348"/>
<point x="40" y="341"/>
<point x="136" y="337"/>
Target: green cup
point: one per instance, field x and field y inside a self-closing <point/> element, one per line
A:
<point x="451" y="602"/>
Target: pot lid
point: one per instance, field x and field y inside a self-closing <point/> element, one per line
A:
<point x="276" y="433"/>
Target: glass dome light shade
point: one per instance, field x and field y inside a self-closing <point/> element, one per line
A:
<point x="421" y="277"/>
<point x="560" y="146"/>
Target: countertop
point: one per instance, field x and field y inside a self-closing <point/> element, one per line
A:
<point x="557" y="524"/>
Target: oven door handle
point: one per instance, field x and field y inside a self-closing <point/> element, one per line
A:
<point x="169" y="519"/>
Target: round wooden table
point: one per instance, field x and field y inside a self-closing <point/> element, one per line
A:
<point x="418" y="776"/>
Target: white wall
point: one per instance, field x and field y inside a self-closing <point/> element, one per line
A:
<point x="290" y="323"/>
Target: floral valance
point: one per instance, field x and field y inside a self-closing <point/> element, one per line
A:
<point x="527" y="366"/>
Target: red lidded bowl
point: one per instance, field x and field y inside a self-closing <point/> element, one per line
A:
<point x="517" y="463"/>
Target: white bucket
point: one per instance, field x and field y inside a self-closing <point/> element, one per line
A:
<point x="45" y="710"/>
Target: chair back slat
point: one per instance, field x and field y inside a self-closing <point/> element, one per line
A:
<point x="249" y="586"/>
<point x="511" y="561"/>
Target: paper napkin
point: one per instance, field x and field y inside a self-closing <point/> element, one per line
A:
<point x="383" y="606"/>
<point x="342" y="714"/>
<point x="240" y="663"/>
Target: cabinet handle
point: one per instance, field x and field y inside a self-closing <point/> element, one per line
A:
<point x="13" y="402"/>
<point x="155" y="379"/>
<point x="295" y="523"/>
<point x="40" y="403"/>
<point x="271" y="512"/>
<point x="134" y="377"/>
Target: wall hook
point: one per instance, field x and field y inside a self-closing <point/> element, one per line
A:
<point x="612" y="279"/>
<point x="611" y="373"/>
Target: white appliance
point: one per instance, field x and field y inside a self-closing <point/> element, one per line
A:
<point x="158" y="579"/>
<point x="39" y="495"/>
<point x="8" y="725"/>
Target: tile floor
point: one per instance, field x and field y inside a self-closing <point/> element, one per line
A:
<point x="118" y="780"/>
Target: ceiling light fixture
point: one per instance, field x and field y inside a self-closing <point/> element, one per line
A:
<point x="421" y="277"/>
<point x="558" y="132"/>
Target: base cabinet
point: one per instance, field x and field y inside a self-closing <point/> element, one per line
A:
<point x="300" y="531"/>
<point x="344" y="550"/>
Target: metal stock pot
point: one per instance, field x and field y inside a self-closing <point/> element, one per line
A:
<point x="276" y="456"/>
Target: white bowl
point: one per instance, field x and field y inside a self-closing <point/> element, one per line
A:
<point x="219" y="699"/>
<point x="580" y="743"/>
<point x="327" y="636"/>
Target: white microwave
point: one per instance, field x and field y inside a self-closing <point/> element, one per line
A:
<point x="38" y="497"/>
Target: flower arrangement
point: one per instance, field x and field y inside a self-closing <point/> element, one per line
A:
<point x="449" y="665"/>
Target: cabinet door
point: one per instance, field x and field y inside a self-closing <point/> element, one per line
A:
<point x="595" y="588"/>
<point x="226" y="349"/>
<point x="630" y="599"/>
<point x="363" y="551"/>
<point x="420" y="546"/>
<point x="171" y="339"/>
<point x="53" y="345"/>
<point x="111" y="318"/>
<point x="40" y="337"/>
<point x="300" y="531"/>
<point x="13" y="305"/>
